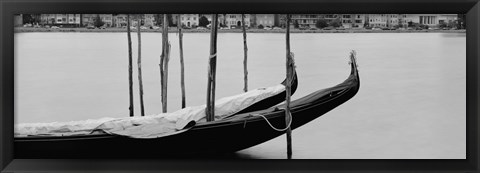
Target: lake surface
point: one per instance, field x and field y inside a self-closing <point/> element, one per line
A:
<point x="411" y="103"/>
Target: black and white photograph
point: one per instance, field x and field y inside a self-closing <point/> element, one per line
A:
<point x="240" y="86"/>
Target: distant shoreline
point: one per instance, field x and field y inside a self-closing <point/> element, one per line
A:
<point x="174" y="30"/>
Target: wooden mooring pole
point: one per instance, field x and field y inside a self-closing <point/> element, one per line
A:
<point x="212" y="65"/>
<point x="182" y="70"/>
<point x="289" y="67"/>
<point x="139" y="64"/>
<point x="245" y="50"/>
<point x="164" y="58"/>
<point x="130" y="72"/>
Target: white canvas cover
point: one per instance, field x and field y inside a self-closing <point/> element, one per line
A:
<point x="151" y="126"/>
<point x="59" y="128"/>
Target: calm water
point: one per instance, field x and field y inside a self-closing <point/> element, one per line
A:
<point x="411" y="102"/>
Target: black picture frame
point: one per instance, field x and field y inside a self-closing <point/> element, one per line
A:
<point x="8" y="8"/>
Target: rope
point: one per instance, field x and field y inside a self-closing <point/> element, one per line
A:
<point x="274" y="128"/>
<point x="292" y="63"/>
<point x="213" y="56"/>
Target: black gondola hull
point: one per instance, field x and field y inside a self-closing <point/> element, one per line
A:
<point x="224" y="136"/>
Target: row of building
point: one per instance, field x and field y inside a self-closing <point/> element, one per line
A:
<point x="110" y="20"/>
<point x="375" y="20"/>
<point x="120" y="20"/>
<point x="252" y="20"/>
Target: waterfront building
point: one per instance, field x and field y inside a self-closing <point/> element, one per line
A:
<point x="310" y="20"/>
<point x="347" y="20"/>
<point x="305" y="20"/>
<point x="360" y="20"/>
<point x="329" y="17"/>
<point x="416" y="18"/>
<point x="73" y="19"/>
<point x="265" y="20"/>
<point x="189" y="20"/>
<point x="230" y="20"/>
<point x="402" y="20"/>
<point x="383" y="20"/>
<point x="431" y="19"/>
<point x="235" y="20"/>
<point x="377" y="20"/>
<point x="353" y="20"/>
<point x="107" y="19"/>
<point x="392" y="20"/>
<point x="120" y="20"/>
<point x="61" y="19"/>
<point x="270" y="20"/>
<point x="148" y="20"/>
<point x="89" y="19"/>
<point x="388" y="20"/>
<point x="447" y="18"/>
<point x="47" y="19"/>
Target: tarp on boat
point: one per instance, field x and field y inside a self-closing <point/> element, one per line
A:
<point x="151" y="126"/>
<point x="59" y="128"/>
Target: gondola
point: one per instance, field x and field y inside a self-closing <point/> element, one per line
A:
<point x="223" y="136"/>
